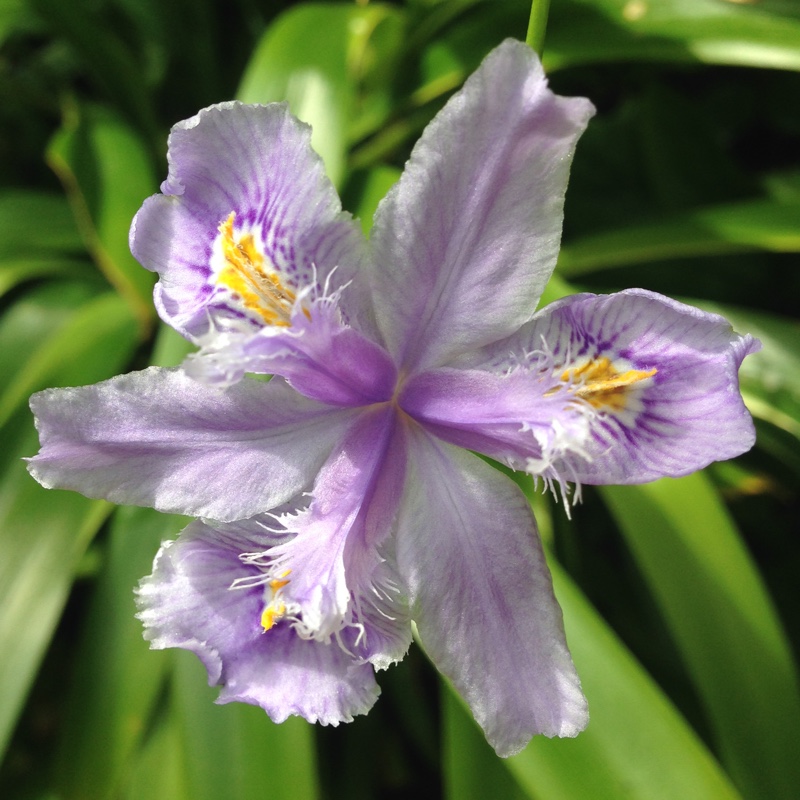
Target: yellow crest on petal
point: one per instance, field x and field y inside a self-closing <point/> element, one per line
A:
<point x="276" y="608"/>
<point x="604" y="384"/>
<point x="252" y="282"/>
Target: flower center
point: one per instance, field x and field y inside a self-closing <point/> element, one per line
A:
<point x="245" y="273"/>
<point x="604" y="384"/>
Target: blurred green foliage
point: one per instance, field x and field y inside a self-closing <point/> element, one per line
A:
<point x="680" y="598"/>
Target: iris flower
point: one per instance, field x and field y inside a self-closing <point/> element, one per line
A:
<point x="344" y="498"/>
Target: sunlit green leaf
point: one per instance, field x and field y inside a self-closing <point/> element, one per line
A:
<point x="723" y="622"/>
<point x="42" y="537"/>
<point x="103" y="321"/>
<point x="315" y="56"/>
<point x="636" y="746"/>
<point x="373" y="188"/>
<point x="235" y="751"/>
<point x="159" y="770"/>
<point x="106" y="173"/>
<point x="470" y="768"/>
<point x="36" y="317"/>
<point x="763" y="34"/>
<point x="749" y="225"/>
<point x="45" y="341"/>
<point x="117" y="678"/>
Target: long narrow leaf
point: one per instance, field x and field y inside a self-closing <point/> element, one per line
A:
<point x="750" y="225"/>
<point x="722" y="620"/>
<point x="636" y="746"/>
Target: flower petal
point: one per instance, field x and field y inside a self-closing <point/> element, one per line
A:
<point x="467" y="239"/>
<point x="255" y="163"/>
<point x="336" y="579"/>
<point x="318" y="356"/>
<point x="482" y="596"/>
<point x="188" y="602"/>
<point x="660" y="380"/>
<point x="158" y="438"/>
<point x="523" y="418"/>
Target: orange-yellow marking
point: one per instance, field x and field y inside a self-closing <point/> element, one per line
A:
<point x="271" y="615"/>
<point x="599" y="383"/>
<point x="258" y="289"/>
<point x="276" y="608"/>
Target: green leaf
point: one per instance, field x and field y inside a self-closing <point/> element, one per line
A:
<point x="101" y="329"/>
<point x="14" y="272"/>
<point x="769" y="379"/>
<point x="35" y="317"/>
<point x="764" y="34"/>
<point x="117" y="679"/>
<point x="38" y="223"/>
<point x="373" y="186"/>
<point x="158" y="770"/>
<point x="52" y="336"/>
<point x="729" y="228"/>
<point x="106" y="172"/>
<point x="42" y="538"/>
<point x="315" y="56"/>
<point x="100" y="40"/>
<point x="636" y="746"/>
<point x="234" y="751"/>
<point x="723" y="623"/>
<point x="470" y="768"/>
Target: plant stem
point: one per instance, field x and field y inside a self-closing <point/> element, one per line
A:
<point x="537" y="25"/>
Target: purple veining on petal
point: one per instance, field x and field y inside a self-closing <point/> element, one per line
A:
<point x="333" y="566"/>
<point x="244" y="160"/>
<point x="482" y="597"/>
<point x="187" y="602"/>
<point x="318" y="354"/>
<point x="686" y="414"/>
<point x="520" y="418"/>
<point x="336" y="505"/>
<point x="160" y="439"/>
<point x="472" y="228"/>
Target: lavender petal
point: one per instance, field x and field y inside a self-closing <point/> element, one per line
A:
<point x="466" y="240"/>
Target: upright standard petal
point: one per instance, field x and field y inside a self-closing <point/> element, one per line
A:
<point x="467" y="239"/>
<point x="482" y="596"/>
<point x="656" y="379"/>
<point x="247" y="221"/>
<point x="157" y="438"/>
<point x="198" y="599"/>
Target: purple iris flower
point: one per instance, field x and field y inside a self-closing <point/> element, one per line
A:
<point x="339" y="501"/>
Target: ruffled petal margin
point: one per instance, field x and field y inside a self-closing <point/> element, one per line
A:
<point x="681" y="407"/>
<point x="187" y="602"/>
<point x="467" y="239"/>
<point x="256" y="163"/>
<point x="482" y="596"/>
<point x="157" y="438"/>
